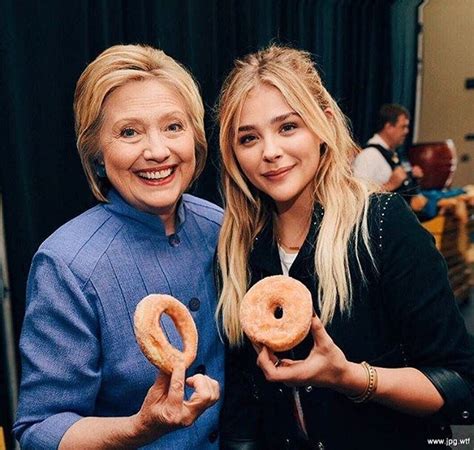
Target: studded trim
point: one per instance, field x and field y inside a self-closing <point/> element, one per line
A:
<point x="382" y="218"/>
<point x="321" y="214"/>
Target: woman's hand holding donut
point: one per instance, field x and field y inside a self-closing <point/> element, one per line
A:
<point x="164" y="408"/>
<point x="325" y="366"/>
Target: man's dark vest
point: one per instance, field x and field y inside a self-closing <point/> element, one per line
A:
<point x="410" y="186"/>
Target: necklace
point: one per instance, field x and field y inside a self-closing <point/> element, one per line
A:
<point x="301" y="234"/>
<point x="288" y="247"/>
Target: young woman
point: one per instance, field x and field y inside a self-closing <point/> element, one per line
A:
<point x="389" y="362"/>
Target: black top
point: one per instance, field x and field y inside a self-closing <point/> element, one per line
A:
<point x="405" y="315"/>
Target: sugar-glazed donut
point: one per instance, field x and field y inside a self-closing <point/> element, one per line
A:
<point x="151" y="338"/>
<point x="276" y="312"/>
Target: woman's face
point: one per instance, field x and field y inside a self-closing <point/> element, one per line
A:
<point x="147" y="144"/>
<point x="275" y="149"/>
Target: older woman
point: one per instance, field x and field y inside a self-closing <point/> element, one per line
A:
<point x="389" y="363"/>
<point x="85" y="383"/>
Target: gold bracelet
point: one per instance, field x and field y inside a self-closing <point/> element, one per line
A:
<point x="372" y="381"/>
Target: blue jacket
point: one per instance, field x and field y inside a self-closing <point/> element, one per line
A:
<point x="78" y="348"/>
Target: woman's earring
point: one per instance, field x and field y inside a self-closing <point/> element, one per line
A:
<point x="100" y="169"/>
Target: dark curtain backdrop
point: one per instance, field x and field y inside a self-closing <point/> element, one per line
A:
<point x="365" y="50"/>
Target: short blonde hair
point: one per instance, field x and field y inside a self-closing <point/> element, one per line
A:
<point x="345" y="199"/>
<point x="113" y="68"/>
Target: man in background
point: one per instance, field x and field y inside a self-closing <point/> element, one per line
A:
<point x="378" y="162"/>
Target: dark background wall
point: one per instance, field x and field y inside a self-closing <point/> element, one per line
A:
<point x="365" y="50"/>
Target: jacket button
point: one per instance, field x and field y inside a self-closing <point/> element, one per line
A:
<point x="213" y="436"/>
<point x="194" y="304"/>
<point x="173" y="240"/>
<point x="465" y="415"/>
<point x="308" y="389"/>
<point x="200" y="369"/>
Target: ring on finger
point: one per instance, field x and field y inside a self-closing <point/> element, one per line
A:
<point x="277" y="362"/>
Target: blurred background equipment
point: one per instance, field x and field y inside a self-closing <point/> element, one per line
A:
<point x="438" y="162"/>
<point x="444" y="120"/>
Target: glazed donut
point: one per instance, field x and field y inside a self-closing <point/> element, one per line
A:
<point x="276" y="312"/>
<point x="151" y="338"/>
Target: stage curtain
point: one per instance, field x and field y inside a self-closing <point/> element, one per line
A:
<point x="364" y="49"/>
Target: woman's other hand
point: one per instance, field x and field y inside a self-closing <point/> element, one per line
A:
<point x="404" y="389"/>
<point x="325" y="366"/>
<point x="165" y="409"/>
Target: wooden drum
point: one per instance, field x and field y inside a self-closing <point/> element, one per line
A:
<point x="438" y="162"/>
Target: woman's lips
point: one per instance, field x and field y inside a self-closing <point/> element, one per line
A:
<point x="278" y="173"/>
<point x="157" y="176"/>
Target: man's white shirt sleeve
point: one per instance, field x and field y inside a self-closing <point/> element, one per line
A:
<point x="370" y="165"/>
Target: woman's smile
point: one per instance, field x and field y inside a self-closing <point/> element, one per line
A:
<point x="157" y="176"/>
<point x="278" y="174"/>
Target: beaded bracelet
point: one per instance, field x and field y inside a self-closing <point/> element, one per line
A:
<point x="371" y="385"/>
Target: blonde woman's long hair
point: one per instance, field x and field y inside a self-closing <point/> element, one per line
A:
<point x="344" y="198"/>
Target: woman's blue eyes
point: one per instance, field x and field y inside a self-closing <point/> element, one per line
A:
<point x="248" y="138"/>
<point x="288" y="127"/>
<point x="175" y="127"/>
<point x="129" y="132"/>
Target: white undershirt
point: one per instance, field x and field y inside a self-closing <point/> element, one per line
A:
<point x="286" y="260"/>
